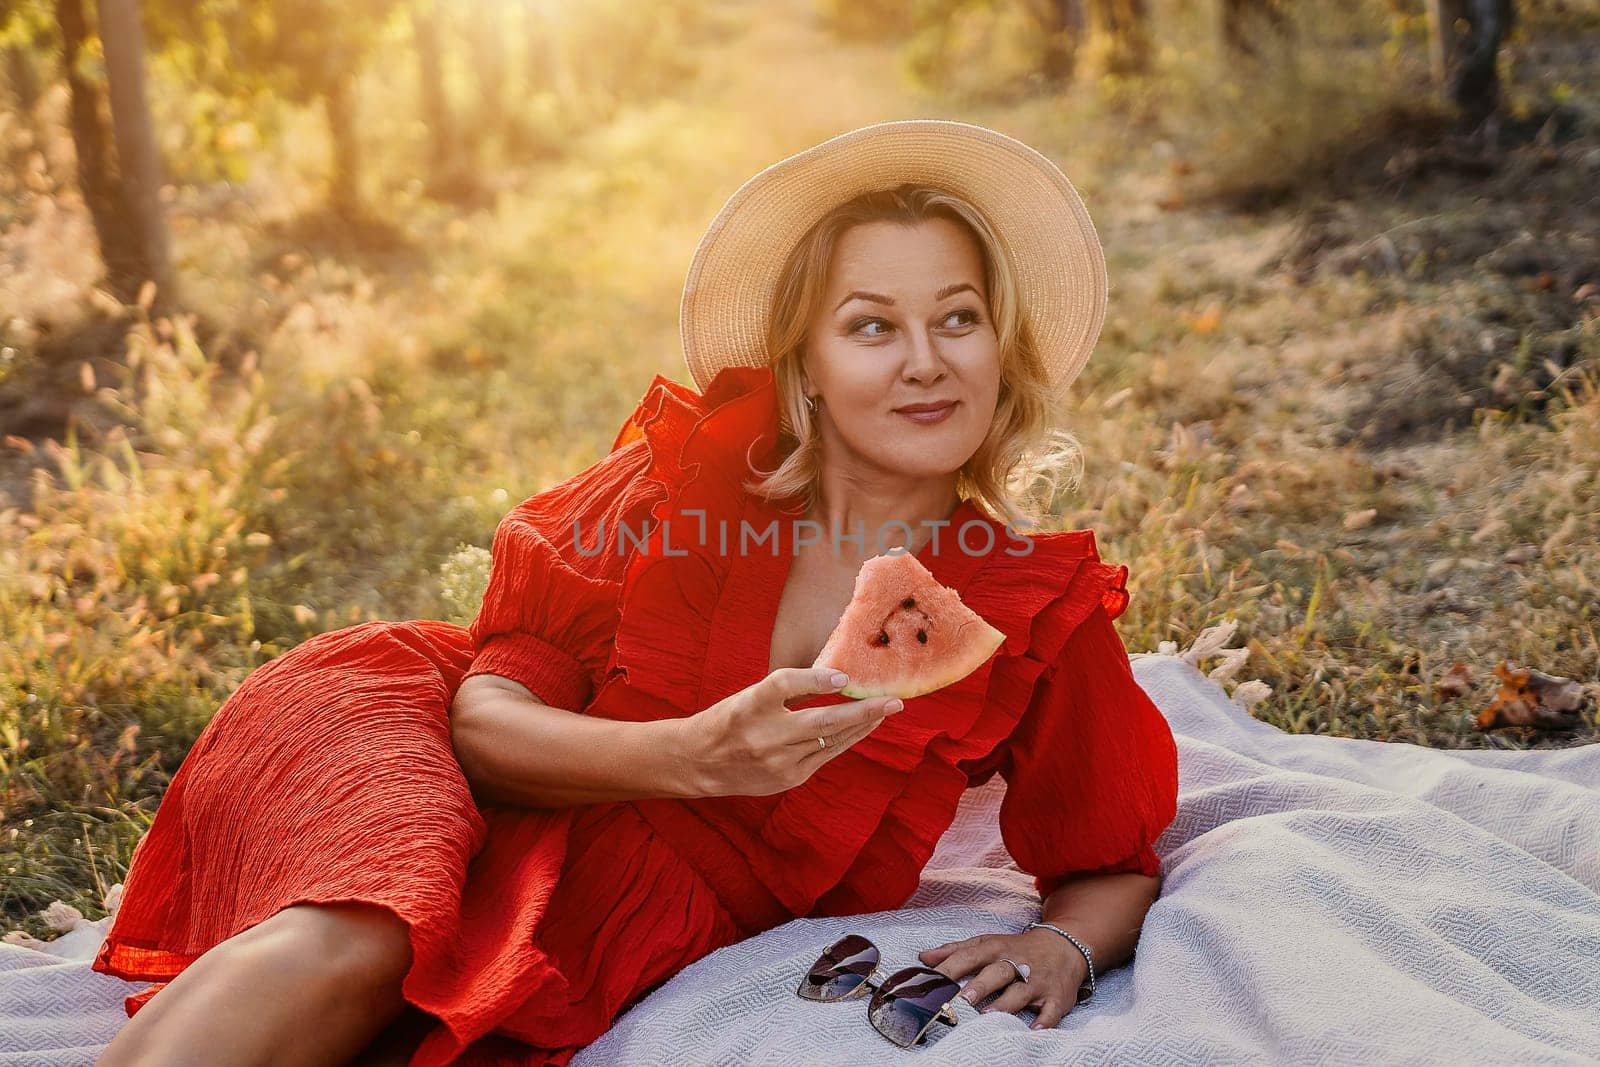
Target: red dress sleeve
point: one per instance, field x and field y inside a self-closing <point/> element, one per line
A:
<point x="549" y="612"/>
<point x="1091" y="769"/>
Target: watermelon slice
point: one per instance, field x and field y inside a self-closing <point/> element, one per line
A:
<point x="903" y="634"/>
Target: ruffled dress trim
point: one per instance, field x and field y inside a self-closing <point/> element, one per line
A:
<point x="549" y="613"/>
<point x="541" y="925"/>
<point x="696" y="625"/>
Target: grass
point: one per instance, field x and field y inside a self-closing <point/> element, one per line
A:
<point x="1346" y="420"/>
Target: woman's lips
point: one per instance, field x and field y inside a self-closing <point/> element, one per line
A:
<point x="927" y="417"/>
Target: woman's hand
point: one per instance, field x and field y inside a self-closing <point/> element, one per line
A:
<point x="750" y="744"/>
<point x="1056" y="969"/>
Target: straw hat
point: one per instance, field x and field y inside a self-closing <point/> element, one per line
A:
<point x="1032" y="206"/>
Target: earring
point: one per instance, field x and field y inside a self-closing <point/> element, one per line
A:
<point x="811" y="402"/>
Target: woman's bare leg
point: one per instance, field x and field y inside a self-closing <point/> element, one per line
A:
<point x="311" y="985"/>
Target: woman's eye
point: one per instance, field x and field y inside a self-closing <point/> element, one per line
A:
<point x="861" y="324"/>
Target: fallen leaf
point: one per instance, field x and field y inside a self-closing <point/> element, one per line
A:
<point x="1529" y="697"/>
<point x="1455" y="682"/>
<point x="1208" y="320"/>
<point x="1209" y="641"/>
<point x="1232" y="660"/>
<point x="62" y="917"/>
<point x="1249" y="694"/>
<point x="24" y="940"/>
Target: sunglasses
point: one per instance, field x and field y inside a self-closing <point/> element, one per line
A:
<point x="903" y="1006"/>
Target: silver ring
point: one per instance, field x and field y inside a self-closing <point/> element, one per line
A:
<point x="1023" y="970"/>
<point x="822" y="741"/>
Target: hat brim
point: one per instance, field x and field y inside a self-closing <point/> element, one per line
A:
<point x="1030" y="203"/>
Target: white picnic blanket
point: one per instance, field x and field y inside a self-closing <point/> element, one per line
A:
<point x="1326" y="901"/>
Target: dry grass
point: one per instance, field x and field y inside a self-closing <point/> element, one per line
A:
<point x="1359" y="427"/>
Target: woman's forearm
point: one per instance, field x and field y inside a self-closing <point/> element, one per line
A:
<point x="1105" y="912"/>
<point x="516" y="750"/>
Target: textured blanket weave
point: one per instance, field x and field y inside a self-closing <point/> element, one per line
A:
<point x="1325" y="901"/>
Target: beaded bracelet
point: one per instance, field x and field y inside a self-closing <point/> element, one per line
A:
<point x="1086" y="990"/>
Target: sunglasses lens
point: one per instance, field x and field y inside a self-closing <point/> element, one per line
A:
<point x="841" y="969"/>
<point x="904" y="1006"/>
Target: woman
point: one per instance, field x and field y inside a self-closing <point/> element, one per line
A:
<point x="399" y="840"/>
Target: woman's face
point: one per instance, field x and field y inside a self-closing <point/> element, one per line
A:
<point x="904" y="321"/>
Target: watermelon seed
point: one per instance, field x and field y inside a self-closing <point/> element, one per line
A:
<point x="883" y="638"/>
<point x="908" y="602"/>
<point x="922" y="635"/>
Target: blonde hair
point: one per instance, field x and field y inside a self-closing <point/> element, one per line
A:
<point x="1023" y="447"/>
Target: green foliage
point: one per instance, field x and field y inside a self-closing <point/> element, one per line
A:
<point x="969" y="49"/>
<point x="132" y="602"/>
<point x="208" y="135"/>
<point x="27" y="24"/>
<point x="236" y="62"/>
<point x="411" y="389"/>
<point x="296" y="48"/>
<point x="211" y="112"/>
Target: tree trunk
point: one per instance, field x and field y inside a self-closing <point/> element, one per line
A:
<point x="139" y="162"/>
<point x="490" y="34"/>
<point x="1466" y="37"/>
<point x="448" y="169"/>
<point x="97" y="179"/>
<point x="1061" y="24"/>
<point x="547" y="64"/>
<point x="1241" y="17"/>
<point x="1119" y="36"/>
<point x="344" y="194"/>
<point x="435" y="104"/>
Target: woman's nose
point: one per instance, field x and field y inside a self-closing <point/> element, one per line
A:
<point x="923" y="362"/>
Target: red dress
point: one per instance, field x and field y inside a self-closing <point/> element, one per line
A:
<point x="328" y="775"/>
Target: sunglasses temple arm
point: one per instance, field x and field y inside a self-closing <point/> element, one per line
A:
<point x="947" y="1014"/>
